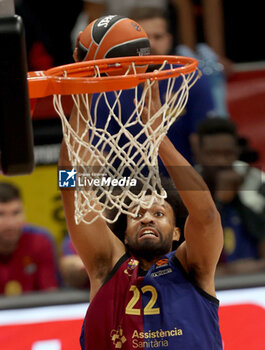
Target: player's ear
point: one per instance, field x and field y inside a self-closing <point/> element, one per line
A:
<point x="176" y="234"/>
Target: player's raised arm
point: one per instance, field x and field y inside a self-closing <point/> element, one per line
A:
<point x="203" y="232"/>
<point x="201" y="250"/>
<point x="95" y="243"/>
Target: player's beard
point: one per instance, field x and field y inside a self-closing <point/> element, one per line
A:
<point x="148" y="249"/>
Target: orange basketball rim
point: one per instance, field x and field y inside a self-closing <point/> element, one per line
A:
<point x="80" y="77"/>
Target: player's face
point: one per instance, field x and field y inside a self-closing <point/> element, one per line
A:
<point x="12" y="219"/>
<point x="160" y="39"/>
<point x="150" y="234"/>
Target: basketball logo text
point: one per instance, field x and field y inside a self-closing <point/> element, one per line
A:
<point x="105" y="21"/>
<point x="136" y="26"/>
<point x="143" y="51"/>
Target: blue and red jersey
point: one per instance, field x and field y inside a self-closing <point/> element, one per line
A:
<point x="162" y="309"/>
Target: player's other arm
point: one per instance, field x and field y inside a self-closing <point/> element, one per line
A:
<point x="95" y="243"/>
<point x="203" y="233"/>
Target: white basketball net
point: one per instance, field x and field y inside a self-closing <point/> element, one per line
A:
<point x="107" y="170"/>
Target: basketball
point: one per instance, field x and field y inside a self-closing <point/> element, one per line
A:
<point x="113" y="36"/>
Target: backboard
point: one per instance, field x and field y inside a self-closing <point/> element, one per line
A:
<point x="16" y="134"/>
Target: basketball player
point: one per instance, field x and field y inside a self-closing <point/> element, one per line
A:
<point x="144" y="295"/>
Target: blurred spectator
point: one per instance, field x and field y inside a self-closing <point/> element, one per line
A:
<point x="222" y="25"/>
<point x="27" y="253"/>
<point x="121" y="7"/>
<point x="179" y="17"/>
<point x="237" y="190"/>
<point x="94" y="9"/>
<point x="200" y="102"/>
<point x="205" y="42"/>
<point x="202" y="21"/>
<point x="72" y="268"/>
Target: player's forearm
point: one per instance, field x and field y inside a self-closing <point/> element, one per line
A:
<point x="63" y="161"/>
<point x="76" y="138"/>
<point x="192" y="188"/>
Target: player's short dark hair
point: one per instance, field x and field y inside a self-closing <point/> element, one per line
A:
<point x="8" y="192"/>
<point x="173" y="199"/>
<point x="215" y="126"/>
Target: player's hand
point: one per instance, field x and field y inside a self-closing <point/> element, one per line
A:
<point x="151" y="106"/>
<point x="76" y="47"/>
